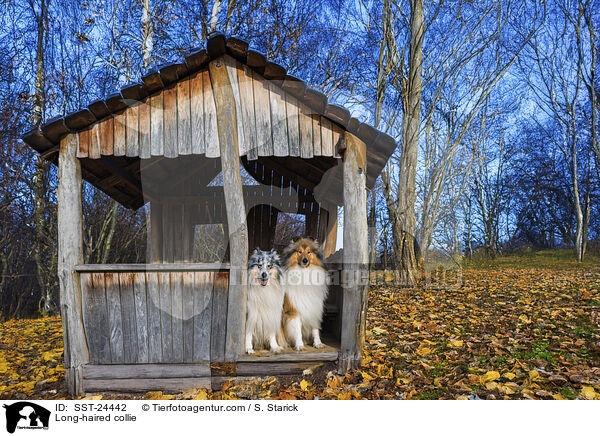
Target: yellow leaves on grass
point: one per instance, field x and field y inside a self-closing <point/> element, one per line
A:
<point x="534" y="375"/>
<point x="589" y="393"/>
<point x="31" y="353"/>
<point x="379" y="331"/>
<point x="490" y="376"/>
<point x="158" y="395"/>
<point x="424" y="351"/>
<point x="304" y="385"/>
<point x="455" y="344"/>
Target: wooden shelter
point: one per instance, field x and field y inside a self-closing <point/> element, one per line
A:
<point x="181" y="141"/>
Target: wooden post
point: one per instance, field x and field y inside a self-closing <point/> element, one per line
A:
<point x="356" y="254"/>
<point x="155" y="241"/>
<point x="70" y="254"/>
<point x="234" y="204"/>
<point x="331" y="231"/>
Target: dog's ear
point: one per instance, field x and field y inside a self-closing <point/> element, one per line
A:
<point x="274" y="252"/>
<point x="255" y="251"/>
<point x="296" y="238"/>
<point x="311" y="238"/>
<point x="318" y="249"/>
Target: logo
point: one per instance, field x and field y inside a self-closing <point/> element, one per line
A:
<point x="26" y="415"/>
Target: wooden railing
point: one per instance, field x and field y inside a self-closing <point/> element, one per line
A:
<point x="155" y="313"/>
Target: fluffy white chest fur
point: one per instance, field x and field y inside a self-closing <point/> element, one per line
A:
<point x="306" y="289"/>
<point x="264" y="311"/>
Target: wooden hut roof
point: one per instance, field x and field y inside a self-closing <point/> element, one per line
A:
<point x="114" y="167"/>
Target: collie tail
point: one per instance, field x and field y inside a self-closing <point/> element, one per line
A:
<point x="281" y="340"/>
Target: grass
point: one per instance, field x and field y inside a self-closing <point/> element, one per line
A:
<point x="563" y="258"/>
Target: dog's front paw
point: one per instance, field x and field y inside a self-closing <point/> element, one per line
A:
<point x="249" y="351"/>
<point x="276" y="349"/>
<point x="318" y="345"/>
<point x="299" y="347"/>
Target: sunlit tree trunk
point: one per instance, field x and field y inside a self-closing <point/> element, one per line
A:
<point x="404" y="222"/>
<point x="147" y="35"/>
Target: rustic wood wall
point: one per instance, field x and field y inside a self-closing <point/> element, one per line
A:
<point x="154" y="316"/>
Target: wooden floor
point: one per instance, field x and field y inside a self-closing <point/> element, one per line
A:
<point x="178" y="377"/>
<point x="325" y="354"/>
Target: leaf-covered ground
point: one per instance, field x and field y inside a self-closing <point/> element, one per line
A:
<point x="519" y="328"/>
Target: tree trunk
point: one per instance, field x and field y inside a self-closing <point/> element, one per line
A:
<point x="40" y="253"/>
<point x="404" y="224"/>
<point x="147" y="35"/>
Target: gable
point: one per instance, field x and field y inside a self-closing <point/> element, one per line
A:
<point x="182" y="120"/>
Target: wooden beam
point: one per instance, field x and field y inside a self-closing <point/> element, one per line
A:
<point x="356" y="254"/>
<point x="234" y="203"/>
<point x="70" y="254"/>
<point x="159" y="267"/>
<point x="50" y="152"/>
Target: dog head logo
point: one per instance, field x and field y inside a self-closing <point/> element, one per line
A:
<point x="25" y="414"/>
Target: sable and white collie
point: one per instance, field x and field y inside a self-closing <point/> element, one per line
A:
<point x="265" y="302"/>
<point x="305" y="281"/>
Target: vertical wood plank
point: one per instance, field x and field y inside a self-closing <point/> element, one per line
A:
<point x="156" y="120"/>
<point x="322" y="228"/>
<point x="316" y="131"/>
<point x="120" y="122"/>
<point x="177" y="229"/>
<point x="90" y="302"/>
<point x="188" y="316"/>
<point x="337" y="135"/>
<point x="248" y="119"/>
<point x="84" y="143"/>
<point x="70" y="253"/>
<point x="262" y="112"/>
<point x="306" y="132"/>
<point x="203" y="309"/>
<point x="128" y="317"/>
<point x="165" y="317"/>
<point x="331" y="231"/>
<point x="293" y="124"/>
<point x="113" y="300"/>
<point x="170" y="121"/>
<point x="220" y="296"/>
<point x="326" y="137"/>
<point x="197" y="114"/>
<point x="101" y="313"/>
<point x="141" y="317"/>
<point x="168" y="239"/>
<point x="107" y="136"/>
<point x="154" y="318"/>
<point x="95" y="140"/>
<point x="232" y="71"/>
<point x="188" y="228"/>
<point x="155" y="242"/>
<point x="177" y="315"/>
<point x="184" y="133"/>
<point x="132" y="114"/>
<point x="211" y="138"/>
<point x="278" y="121"/>
<point x="144" y="129"/>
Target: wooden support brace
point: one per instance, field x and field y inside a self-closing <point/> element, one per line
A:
<point x="356" y="254"/>
<point x="70" y="254"/>
<point x="234" y="204"/>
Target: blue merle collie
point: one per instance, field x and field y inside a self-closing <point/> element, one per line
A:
<point x="265" y="302"/>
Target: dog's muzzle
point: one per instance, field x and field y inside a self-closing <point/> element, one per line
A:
<point x="264" y="278"/>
